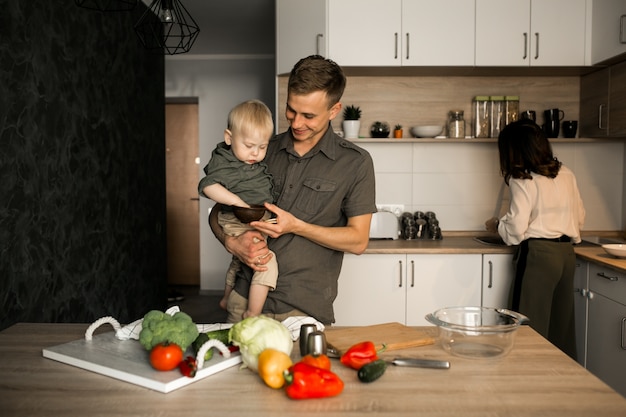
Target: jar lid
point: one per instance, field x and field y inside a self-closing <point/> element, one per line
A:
<point x="497" y="98"/>
<point x="511" y="98"/>
<point x="481" y="98"/>
<point x="456" y="112"/>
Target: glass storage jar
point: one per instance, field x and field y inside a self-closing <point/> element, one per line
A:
<point x="481" y="116"/>
<point x="456" y="124"/>
<point x="511" y="111"/>
<point x="497" y="115"/>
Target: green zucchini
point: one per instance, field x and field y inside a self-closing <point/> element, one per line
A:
<point x="221" y="335"/>
<point x="372" y="371"/>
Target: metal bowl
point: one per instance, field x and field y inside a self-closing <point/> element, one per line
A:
<point x="249" y="214"/>
<point x="476" y="332"/>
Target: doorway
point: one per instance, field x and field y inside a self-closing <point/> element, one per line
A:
<point x="182" y="202"/>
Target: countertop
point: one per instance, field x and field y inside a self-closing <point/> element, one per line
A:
<point x="534" y="379"/>
<point x="467" y="244"/>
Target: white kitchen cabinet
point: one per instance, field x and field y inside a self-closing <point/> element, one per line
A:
<point x="376" y="32"/>
<point x="437" y="33"/>
<point x="300" y="31"/>
<point x="581" y="290"/>
<point x="365" y="32"/>
<point x="606" y="326"/>
<point x="497" y="277"/>
<point x="380" y="288"/>
<point x="530" y="32"/>
<point x="608" y="29"/>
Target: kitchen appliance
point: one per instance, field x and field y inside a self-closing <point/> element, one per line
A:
<point x="385" y="225"/>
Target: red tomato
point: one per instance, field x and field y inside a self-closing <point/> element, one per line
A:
<point x="166" y="356"/>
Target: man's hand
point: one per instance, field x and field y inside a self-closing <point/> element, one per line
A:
<point x="250" y="248"/>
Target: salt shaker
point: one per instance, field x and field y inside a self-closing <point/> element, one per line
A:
<point x="316" y="344"/>
<point x="305" y="331"/>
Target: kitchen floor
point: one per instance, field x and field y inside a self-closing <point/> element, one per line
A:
<point x="202" y="308"/>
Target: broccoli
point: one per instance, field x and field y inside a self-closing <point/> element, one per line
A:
<point x="159" y="327"/>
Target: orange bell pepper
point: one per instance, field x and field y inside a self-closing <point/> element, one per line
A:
<point x="319" y="361"/>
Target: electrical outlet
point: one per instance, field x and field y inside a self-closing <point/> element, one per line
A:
<point x="396" y="209"/>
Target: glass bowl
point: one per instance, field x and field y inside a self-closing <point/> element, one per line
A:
<point x="477" y="332"/>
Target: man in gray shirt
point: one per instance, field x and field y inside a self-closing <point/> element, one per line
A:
<point x="324" y="189"/>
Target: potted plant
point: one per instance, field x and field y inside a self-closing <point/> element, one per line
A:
<point x="351" y="122"/>
<point x="379" y="130"/>
<point x="397" y="131"/>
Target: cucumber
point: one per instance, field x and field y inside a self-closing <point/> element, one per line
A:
<point x="372" y="371"/>
<point x="221" y="335"/>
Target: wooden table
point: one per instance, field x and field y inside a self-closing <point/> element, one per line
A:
<point x="535" y="379"/>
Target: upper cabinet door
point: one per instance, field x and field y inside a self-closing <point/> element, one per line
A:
<point x="557" y="33"/>
<point x="300" y="31"/>
<point x="365" y="32"/>
<point x="502" y="32"/>
<point x="530" y="32"/>
<point x="438" y="33"/>
<point x="608" y="29"/>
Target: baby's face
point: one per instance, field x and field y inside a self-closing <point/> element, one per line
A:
<point x="247" y="147"/>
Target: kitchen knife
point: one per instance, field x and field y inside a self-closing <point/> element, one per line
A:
<point x="420" y="363"/>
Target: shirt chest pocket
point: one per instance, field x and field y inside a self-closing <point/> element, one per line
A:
<point x="316" y="194"/>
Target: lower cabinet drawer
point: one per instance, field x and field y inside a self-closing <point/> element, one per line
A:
<point x="608" y="282"/>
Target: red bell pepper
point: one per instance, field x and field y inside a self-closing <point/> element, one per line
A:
<point x="360" y="354"/>
<point x="308" y="381"/>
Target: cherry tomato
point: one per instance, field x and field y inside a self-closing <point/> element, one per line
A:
<point x="166" y="356"/>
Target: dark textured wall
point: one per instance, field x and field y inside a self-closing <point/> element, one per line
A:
<point x="82" y="171"/>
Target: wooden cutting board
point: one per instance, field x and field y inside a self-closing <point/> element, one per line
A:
<point x="395" y="335"/>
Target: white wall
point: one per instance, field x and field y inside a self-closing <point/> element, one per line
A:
<point x="219" y="82"/>
<point x="461" y="182"/>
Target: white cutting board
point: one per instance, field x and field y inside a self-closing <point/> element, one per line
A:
<point x="128" y="361"/>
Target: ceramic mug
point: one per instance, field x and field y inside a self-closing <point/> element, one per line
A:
<point x="569" y="128"/>
<point x="552" y="120"/>
<point x="530" y="115"/>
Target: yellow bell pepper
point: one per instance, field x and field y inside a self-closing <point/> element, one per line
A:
<point x="272" y="364"/>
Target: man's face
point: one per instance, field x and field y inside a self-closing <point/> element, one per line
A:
<point x="308" y="115"/>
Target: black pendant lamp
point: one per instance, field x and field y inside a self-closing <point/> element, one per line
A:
<point x="107" y="5"/>
<point x="167" y="26"/>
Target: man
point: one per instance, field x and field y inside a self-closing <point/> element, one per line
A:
<point x="324" y="190"/>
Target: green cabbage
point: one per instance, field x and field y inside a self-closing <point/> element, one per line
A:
<point x="255" y="334"/>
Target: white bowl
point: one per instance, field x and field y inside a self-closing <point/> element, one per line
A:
<point x="615" y="249"/>
<point x="426" y="131"/>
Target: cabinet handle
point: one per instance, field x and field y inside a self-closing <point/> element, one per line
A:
<point x="395" y="56"/>
<point x="412" y="273"/>
<point x="525" y="46"/>
<point x="407" y="45"/>
<point x="622" y="29"/>
<point x="609" y="277"/>
<point x="400" y="275"/>
<point x="536" y="45"/>
<point x="623" y="335"/>
<point x="318" y="42"/>
<point x="600" y="111"/>
<point x="490" y="285"/>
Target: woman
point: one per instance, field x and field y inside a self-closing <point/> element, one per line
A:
<point x="545" y="216"/>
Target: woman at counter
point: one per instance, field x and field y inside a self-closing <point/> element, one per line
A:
<point x="545" y="216"/>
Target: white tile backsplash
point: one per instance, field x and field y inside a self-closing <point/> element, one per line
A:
<point x="461" y="182"/>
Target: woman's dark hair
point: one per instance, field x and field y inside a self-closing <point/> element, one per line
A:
<point x="524" y="148"/>
<point x="316" y="73"/>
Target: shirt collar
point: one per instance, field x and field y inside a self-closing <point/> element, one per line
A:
<point x="327" y="144"/>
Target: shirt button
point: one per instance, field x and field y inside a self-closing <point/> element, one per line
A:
<point x="290" y="185"/>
